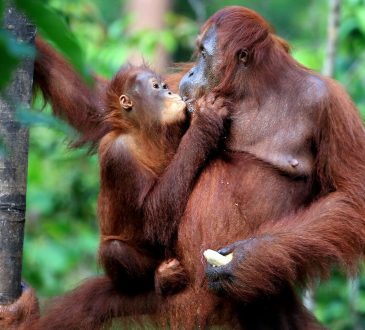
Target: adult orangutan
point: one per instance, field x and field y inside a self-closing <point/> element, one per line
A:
<point x="285" y="195"/>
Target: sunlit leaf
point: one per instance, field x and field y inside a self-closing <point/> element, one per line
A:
<point x="360" y="14"/>
<point x="168" y="40"/>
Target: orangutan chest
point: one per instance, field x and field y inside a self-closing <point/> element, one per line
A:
<point x="266" y="133"/>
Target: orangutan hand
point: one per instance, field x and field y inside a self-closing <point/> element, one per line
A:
<point x="226" y="279"/>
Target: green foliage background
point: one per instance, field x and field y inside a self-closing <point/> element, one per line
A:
<point x="61" y="229"/>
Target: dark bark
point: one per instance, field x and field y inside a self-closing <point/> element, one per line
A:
<point x="13" y="164"/>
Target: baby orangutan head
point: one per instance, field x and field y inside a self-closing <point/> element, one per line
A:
<point x="138" y="98"/>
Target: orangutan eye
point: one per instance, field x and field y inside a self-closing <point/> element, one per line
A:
<point x="155" y="85"/>
<point x="164" y="86"/>
<point x="203" y="53"/>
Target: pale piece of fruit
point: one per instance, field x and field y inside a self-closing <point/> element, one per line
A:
<point x="216" y="259"/>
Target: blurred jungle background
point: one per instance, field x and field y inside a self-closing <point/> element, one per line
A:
<point x="61" y="236"/>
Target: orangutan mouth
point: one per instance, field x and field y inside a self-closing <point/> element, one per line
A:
<point x="189" y="104"/>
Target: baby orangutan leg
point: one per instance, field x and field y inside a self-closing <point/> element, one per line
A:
<point x="23" y="311"/>
<point x="170" y="277"/>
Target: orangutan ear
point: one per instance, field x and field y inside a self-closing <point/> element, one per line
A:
<point x="125" y="102"/>
<point x="243" y="56"/>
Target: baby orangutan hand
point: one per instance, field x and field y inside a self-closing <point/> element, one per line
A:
<point x="170" y="277"/>
<point x="15" y="316"/>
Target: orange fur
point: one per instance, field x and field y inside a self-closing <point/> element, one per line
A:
<point x="285" y="224"/>
<point x="147" y="169"/>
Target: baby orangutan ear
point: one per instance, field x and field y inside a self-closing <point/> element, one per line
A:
<point x="125" y="102"/>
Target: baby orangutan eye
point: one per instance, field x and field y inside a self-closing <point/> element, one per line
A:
<point x="164" y="86"/>
<point x="155" y="85"/>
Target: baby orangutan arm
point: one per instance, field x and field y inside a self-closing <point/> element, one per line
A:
<point x="164" y="204"/>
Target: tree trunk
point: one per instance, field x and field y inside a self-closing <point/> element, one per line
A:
<point x="13" y="164"/>
<point x="149" y="15"/>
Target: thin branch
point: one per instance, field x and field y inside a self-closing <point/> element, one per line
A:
<point x="332" y="31"/>
<point x="199" y="10"/>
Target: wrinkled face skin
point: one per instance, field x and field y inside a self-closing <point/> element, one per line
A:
<point x="204" y="76"/>
<point x="154" y="102"/>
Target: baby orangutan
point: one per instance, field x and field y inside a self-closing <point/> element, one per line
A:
<point x="148" y="168"/>
<point x="149" y="161"/>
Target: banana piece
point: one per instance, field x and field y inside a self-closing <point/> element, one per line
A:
<point x="216" y="259"/>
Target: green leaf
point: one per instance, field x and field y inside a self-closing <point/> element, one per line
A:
<point x="31" y="118"/>
<point x="8" y="61"/>
<point x="11" y="53"/>
<point x="1" y="9"/>
<point x="54" y="28"/>
<point x="360" y="14"/>
<point x="168" y="40"/>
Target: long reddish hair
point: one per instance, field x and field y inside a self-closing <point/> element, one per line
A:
<point x="239" y="29"/>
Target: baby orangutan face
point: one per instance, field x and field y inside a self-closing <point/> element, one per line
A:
<point x="150" y="101"/>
